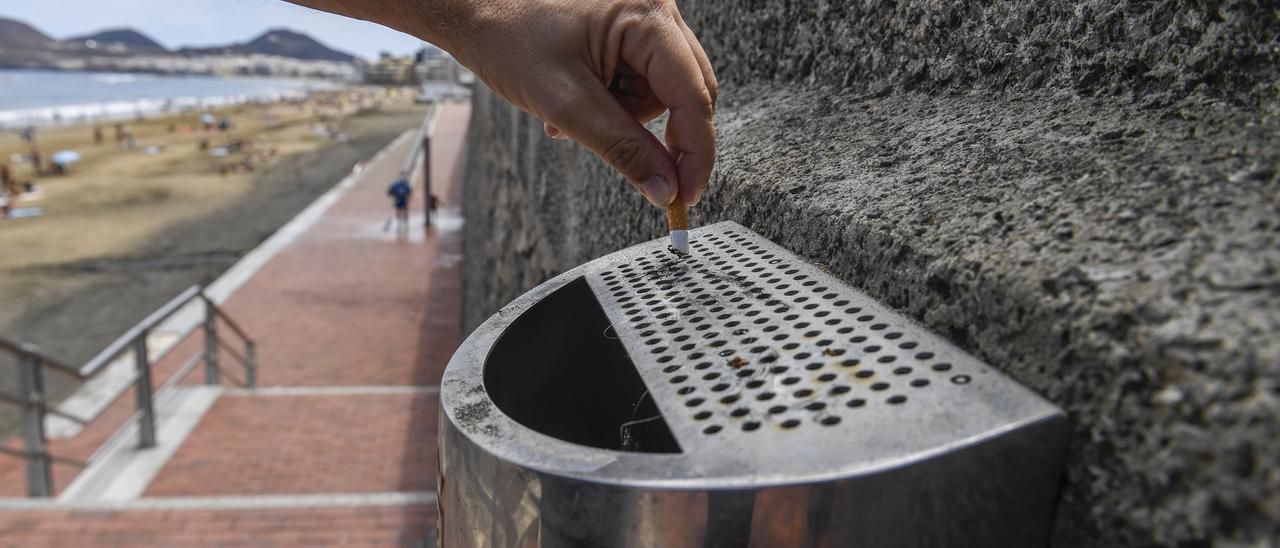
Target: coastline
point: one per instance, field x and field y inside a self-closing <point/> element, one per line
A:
<point x="268" y="89"/>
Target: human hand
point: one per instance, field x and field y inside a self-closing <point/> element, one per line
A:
<point x="594" y="71"/>
<point x="597" y="71"/>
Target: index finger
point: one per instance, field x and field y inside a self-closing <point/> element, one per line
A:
<point x="660" y="52"/>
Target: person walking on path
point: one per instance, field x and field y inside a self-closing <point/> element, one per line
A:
<point x="400" y="191"/>
<point x="594" y="72"/>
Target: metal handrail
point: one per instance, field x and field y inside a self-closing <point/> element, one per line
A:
<point x="121" y="344"/>
<point x="10" y="398"/>
<point x="54" y="458"/>
<point x="425" y="130"/>
<point x="32" y="363"/>
<point x="235" y="327"/>
<point x="422" y="152"/>
<point x="31" y="350"/>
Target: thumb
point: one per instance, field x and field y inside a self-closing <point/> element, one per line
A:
<point x="593" y="117"/>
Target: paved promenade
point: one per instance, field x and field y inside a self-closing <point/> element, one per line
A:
<point x="355" y="321"/>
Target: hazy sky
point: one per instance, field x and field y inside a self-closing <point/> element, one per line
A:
<point x="206" y="22"/>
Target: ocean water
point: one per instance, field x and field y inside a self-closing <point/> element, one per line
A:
<point x="42" y="97"/>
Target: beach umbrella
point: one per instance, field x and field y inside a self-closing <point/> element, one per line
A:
<point x="65" y="157"/>
<point x="208" y="119"/>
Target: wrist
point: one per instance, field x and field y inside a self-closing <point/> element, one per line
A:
<point x="444" y="23"/>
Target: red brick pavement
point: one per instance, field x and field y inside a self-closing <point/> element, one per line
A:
<point x="255" y="445"/>
<point x="346" y="304"/>
<point x="411" y="525"/>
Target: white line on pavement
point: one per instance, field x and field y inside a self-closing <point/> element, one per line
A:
<point x="330" y="390"/>
<point x="247" y="502"/>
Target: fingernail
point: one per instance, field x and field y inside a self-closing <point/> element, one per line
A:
<point x="697" y="196"/>
<point x="658" y="191"/>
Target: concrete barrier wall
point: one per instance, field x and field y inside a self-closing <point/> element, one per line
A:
<point x="1082" y="193"/>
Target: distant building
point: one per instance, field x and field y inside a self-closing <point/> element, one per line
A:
<point x="429" y="65"/>
<point x="391" y="70"/>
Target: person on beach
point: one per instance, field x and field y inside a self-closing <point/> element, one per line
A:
<point x="594" y="72"/>
<point x="36" y="161"/>
<point x="400" y="191"/>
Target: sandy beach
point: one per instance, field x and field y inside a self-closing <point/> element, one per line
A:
<point x="132" y="224"/>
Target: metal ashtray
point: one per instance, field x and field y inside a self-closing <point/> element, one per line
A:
<point x="738" y="396"/>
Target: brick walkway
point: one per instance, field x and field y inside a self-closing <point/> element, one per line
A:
<point x="355" y="324"/>
<point x="307" y="444"/>
<point x="408" y="525"/>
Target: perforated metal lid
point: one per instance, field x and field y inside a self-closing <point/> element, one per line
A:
<point x="768" y="370"/>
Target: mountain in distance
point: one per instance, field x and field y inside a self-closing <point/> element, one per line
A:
<point x="126" y="37"/>
<point x="17" y="35"/>
<point x="125" y="49"/>
<point x="281" y="42"/>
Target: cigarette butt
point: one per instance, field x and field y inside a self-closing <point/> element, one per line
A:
<point x="678" y="224"/>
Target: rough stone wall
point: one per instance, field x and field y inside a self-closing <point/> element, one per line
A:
<point x="1216" y="48"/>
<point x="1083" y="194"/>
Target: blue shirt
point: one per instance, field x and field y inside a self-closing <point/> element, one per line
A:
<point x="400" y="191"/>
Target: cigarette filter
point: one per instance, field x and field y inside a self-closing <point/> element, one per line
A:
<point x="678" y="224"/>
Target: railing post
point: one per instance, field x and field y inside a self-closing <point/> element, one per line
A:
<point x="426" y="177"/>
<point x="210" y="344"/>
<point x="31" y="385"/>
<point x="146" y="416"/>
<point x="250" y="365"/>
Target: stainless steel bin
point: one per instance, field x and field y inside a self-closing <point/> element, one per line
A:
<point x="735" y="397"/>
